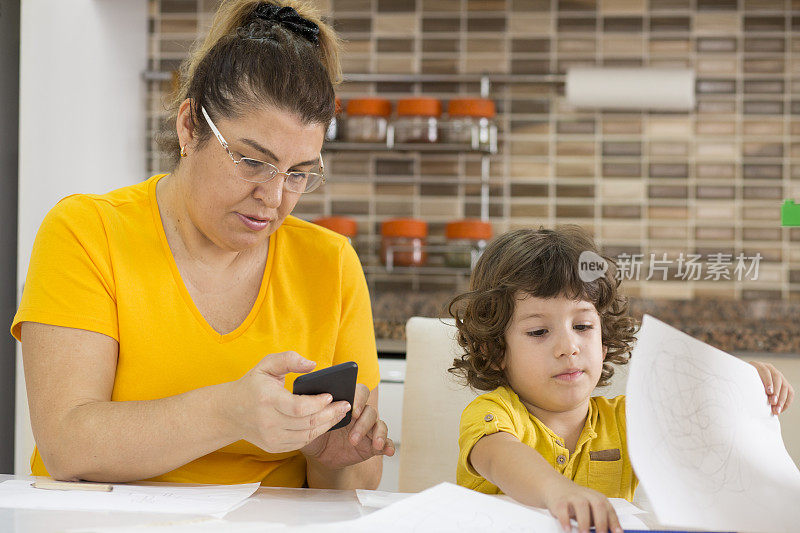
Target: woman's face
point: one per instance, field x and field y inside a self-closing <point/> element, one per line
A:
<point x="219" y="203"/>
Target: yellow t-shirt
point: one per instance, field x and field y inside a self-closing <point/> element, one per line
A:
<point x="102" y="263"/>
<point x="600" y="460"/>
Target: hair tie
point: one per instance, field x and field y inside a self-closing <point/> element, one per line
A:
<point x="288" y="18"/>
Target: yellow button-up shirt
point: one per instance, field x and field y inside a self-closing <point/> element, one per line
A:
<point x="600" y="460"/>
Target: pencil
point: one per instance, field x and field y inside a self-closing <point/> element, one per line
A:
<point x="72" y="485"/>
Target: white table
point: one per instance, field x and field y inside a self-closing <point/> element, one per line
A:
<point x="268" y="504"/>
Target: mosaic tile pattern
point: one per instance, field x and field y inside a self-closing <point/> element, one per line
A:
<point x="703" y="183"/>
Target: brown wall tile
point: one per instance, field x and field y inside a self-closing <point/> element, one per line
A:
<point x="668" y="170"/>
<point x="622" y="149"/>
<point x="575" y="191"/>
<point x="529" y="189"/>
<point x="576" y="24"/>
<point x="394" y="167"/>
<point x="622" y="211"/>
<point x="344" y="207"/>
<point x="436" y="24"/>
<point x="395" y="45"/>
<point x="396" y="6"/>
<point x="575" y="148"/>
<point x="667" y="191"/>
<point x="622" y="170"/>
<point x="530" y="46"/>
<point x="763" y="23"/>
<point x="358" y="6"/>
<point x="670" y="24"/>
<point x="761" y="234"/>
<point x="622" y="24"/>
<point x="762" y="192"/>
<point x="697" y="176"/>
<point x="473" y="209"/>
<point x="716" y="192"/>
<point x="716" y="44"/>
<point x="753" y="171"/>
<point x="714" y="234"/>
<point x="486" y="24"/>
<point x="441" y="5"/>
<point x="574" y="211"/>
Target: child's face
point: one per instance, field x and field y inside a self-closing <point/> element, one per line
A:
<point x="554" y="352"/>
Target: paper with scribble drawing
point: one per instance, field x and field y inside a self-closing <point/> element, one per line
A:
<point x="702" y="438"/>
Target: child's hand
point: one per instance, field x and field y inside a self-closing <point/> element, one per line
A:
<point x="779" y="392"/>
<point x="570" y="500"/>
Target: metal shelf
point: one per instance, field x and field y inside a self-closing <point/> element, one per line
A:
<point x="437" y="148"/>
<point x="485" y="79"/>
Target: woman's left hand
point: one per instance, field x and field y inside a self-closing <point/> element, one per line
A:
<point x="779" y="392"/>
<point x="364" y="437"/>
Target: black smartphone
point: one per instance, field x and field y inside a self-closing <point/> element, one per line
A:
<point x="338" y="380"/>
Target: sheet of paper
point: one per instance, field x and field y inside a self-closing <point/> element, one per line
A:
<point x="626" y="513"/>
<point x="444" y="508"/>
<point x="197" y="525"/>
<point x="448" y="508"/>
<point x="214" y="500"/>
<point x="623" y="506"/>
<point x="702" y="438"/>
<point x="379" y="499"/>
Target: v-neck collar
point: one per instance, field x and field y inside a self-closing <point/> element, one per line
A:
<point x="173" y="266"/>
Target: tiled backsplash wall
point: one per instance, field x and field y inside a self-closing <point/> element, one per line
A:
<point x="707" y="182"/>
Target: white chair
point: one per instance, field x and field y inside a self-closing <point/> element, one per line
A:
<point x="433" y="400"/>
<point x="432" y="405"/>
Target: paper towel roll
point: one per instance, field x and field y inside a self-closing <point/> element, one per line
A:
<point x="657" y="89"/>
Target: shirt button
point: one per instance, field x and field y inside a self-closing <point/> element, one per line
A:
<point x="561" y="459"/>
<point x="489" y="417"/>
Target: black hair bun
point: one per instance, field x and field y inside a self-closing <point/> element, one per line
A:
<point x="285" y="16"/>
<point x="258" y="30"/>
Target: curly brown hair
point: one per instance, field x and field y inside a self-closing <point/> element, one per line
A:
<point x="542" y="263"/>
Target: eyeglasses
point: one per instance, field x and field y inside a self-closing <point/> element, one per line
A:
<point x="257" y="171"/>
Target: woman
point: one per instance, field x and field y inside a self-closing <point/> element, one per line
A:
<point x="159" y="321"/>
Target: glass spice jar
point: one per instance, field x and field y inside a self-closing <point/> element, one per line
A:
<point x="343" y="225"/>
<point x="471" y="123"/>
<point x="335" y="127"/>
<point x="367" y="119"/>
<point x="466" y="240"/>
<point x="417" y="120"/>
<point x="403" y="241"/>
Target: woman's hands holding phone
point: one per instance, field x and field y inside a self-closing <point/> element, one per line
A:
<point x="259" y="409"/>
<point x="366" y="436"/>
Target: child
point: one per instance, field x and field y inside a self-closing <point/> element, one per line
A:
<point x="540" y="339"/>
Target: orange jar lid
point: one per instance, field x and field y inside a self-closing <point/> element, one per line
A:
<point x="343" y="225"/>
<point x="405" y="227"/>
<point x="376" y="107"/>
<point x="338" y="105"/>
<point x="468" y="229"/>
<point x="426" y="107"/>
<point x="471" y="107"/>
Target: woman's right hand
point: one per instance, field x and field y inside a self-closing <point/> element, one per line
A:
<point x="260" y="410"/>
<point x="587" y="506"/>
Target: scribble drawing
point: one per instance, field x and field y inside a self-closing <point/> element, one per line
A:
<point x="691" y="401"/>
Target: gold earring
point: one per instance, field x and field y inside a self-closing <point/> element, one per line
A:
<point x="183" y="151"/>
